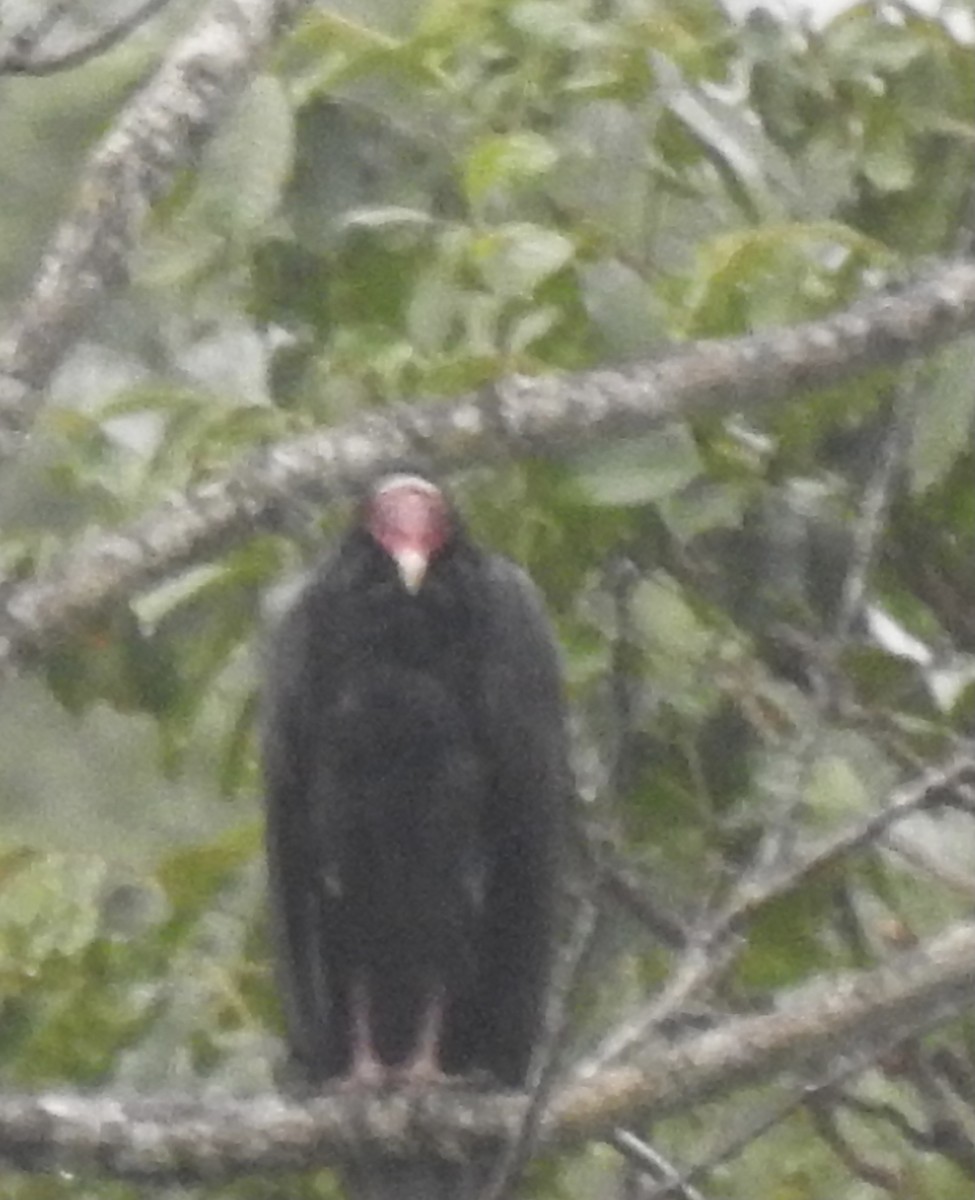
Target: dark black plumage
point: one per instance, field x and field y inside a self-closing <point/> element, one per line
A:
<point x="415" y="759"/>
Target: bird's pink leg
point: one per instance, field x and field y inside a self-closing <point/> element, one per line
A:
<point x="366" y="1069"/>
<point x="423" y="1065"/>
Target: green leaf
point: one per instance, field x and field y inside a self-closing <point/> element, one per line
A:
<point x="113" y="661"/>
<point x="773" y="274"/>
<point x="191" y="877"/>
<point x="672" y="629"/>
<point x="622" y="306"/>
<point x="784" y="939"/>
<point x="514" y="259"/>
<point x="237" y="759"/>
<point x="835" y="787"/>
<point x="944" y="415"/>
<point x="162" y="601"/>
<point x="246" y="168"/>
<point x="888" y="162"/>
<point x="640" y="470"/>
<point x="500" y="160"/>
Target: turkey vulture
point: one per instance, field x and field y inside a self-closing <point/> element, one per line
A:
<point x="414" y="751"/>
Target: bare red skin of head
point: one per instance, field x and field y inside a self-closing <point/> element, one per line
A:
<point x="409" y="517"/>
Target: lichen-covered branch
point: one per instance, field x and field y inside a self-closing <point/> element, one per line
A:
<point x="517" y="417"/>
<point x="157" y="135"/>
<point x="169" y="1139"/>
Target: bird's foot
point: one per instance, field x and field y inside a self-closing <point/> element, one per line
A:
<point x="366" y="1073"/>
<point x="421" y="1072"/>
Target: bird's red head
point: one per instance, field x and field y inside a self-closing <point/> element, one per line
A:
<point x="410" y="518"/>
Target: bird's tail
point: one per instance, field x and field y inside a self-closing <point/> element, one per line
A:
<point x="427" y="1178"/>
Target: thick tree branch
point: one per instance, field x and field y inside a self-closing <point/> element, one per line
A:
<point x="170" y="1139"/>
<point x="156" y="136"/>
<point x="517" y="417"/>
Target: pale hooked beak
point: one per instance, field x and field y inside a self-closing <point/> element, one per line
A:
<point x="412" y="567"/>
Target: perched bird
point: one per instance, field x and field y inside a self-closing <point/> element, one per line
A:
<point x="414" y="751"/>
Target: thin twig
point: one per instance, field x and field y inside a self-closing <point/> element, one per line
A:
<point x="881" y="1110"/>
<point x="547" y="1060"/>
<point x="932" y="864"/>
<point x="955" y="1071"/>
<point x="653" y="1163"/>
<point x="623" y="880"/>
<point x="16" y="62"/>
<point x="24" y="40"/>
<point x="828" y="1128"/>
<point x="741" y="1137"/>
<point x="868" y="529"/>
<point x="712" y="952"/>
<point x="699" y="967"/>
<point x="905" y="801"/>
<point x="807" y="1089"/>
<point x="714" y="949"/>
<point x="950" y="1118"/>
<point x="778" y="841"/>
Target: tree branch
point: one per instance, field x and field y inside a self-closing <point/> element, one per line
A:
<point x="156" y="136"/>
<point x="517" y="417"/>
<point x="710" y="949"/>
<point x="21" y="58"/>
<point x="184" y="1139"/>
